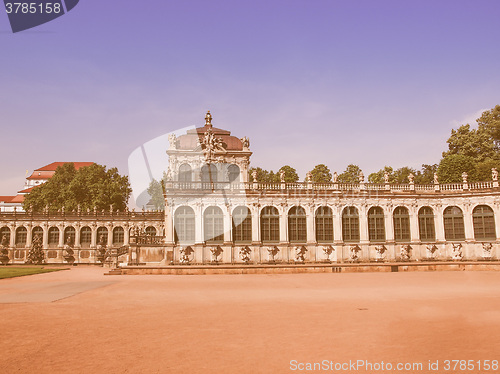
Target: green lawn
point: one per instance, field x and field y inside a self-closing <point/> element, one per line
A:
<point x="11" y="272"/>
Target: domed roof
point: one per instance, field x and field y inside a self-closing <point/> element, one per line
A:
<point x="193" y="138"/>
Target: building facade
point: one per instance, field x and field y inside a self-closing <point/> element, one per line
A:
<point x="216" y="213"/>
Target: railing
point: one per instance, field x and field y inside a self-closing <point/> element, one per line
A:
<point x="245" y="186"/>
<point x="46" y="216"/>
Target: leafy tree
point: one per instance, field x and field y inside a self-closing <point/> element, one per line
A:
<point x="401" y="174"/>
<point x="88" y="187"/>
<point x="452" y="166"/>
<point x="155" y="190"/>
<point x="321" y="174"/>
<point x="483" y="169"/>
<point x="291" y="175"/>
<point x="476" y="143"/>
<point x="490" y="122"/>
<point x="378" y="177"/>
<point x="426" y="175"/>
<point x="350" y="175"/>
<point x="264" y="176"/>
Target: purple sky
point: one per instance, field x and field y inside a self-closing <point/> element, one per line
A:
<point x="367" y="82"/>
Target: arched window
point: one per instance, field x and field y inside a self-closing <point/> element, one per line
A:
<point x="350" y="224"/>
<point x="151" y="231"/>
<point x="185" y="173"/>
<point x="5" y="231"/>
<point x="484" y="223"/>
<point x="453" y="223"/>
<point x="69" y="234"/>
<point x="297" y="232"/>
<point x="85" y="237"/>
<point x="102" y="236"/>
<point x="376" y="226"/>
<point x="53" y="239"/>
<point x="242" y="225"/>
<point x="213" y="220"/>
<point x="37" y="230"/>
<point x="118" y="235"/>
<point x="324" y="224"/>
<point x="209" y="173"/>
<point x="21" y="235"/>
<point x="184" y="225"/>
<point x="233" y="172"/>
<point x="426" y="224"/>
<point x="401" y="219"/>
<point x="270" y="224"/>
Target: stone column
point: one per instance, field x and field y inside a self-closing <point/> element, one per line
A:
<point x="198" y="223"/>
<point x="496" y="212"/>
<point x="311" y="229"/>
<point x="12" y="241"/>
<point x="93" y="238"/>
<point x="77" y="236"/>
<point x="389" y="224"/>
<point x="227" y="224"/>
<point x="110" y="234"/>
<point x="439" y="223"/>
<point x="414" y="232"/>
<point x="45" y="239"/>
<point x="337" y="223"/>
<point x="62" y="239"/>
<point x="29" y="235"/>
<point x="169" y="223"/>
<point x="254" y="208"/>
<point x="363" y="225"/>
<point x="282" y="209"/>
<point x="126" y="234"/>
<point x="468" y="224"/>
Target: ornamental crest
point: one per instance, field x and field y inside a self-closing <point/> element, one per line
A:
<point x="211" y="144"/>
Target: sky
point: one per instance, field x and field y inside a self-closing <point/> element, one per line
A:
<point x="372" y="83"/>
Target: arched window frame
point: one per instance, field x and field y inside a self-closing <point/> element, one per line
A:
<point x="242" y="225"/>
<point x="426" y="224"/>
<point x="376" y="224"/>
<point x="185" y="173"/>
<point x="350" y="224"/>
<point x="85" y="236"/>
<point x="453" y="219"/>
<point x="401" y="219"/>
<point x="270" y="224"/>
<point x="483" y="219"/>
<point x="184" y="225"/>
<point x="213" y="225"/>
<point x="323" y="221"/>
<point x="297" y="225"/>
<point x="118" y="235"/>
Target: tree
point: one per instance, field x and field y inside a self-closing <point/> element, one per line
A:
<point x="401" y="174"/>
<point x="378" y="177"/>
<point x="36" y="255"/>
<point x="476" y="143"/>
<point x="291" y="175"/>
<point x="88" y="187"/>
<point x="321" y="174"/>
<point x="490" y="122"/>
<point x="155" y="190"/>
<point x="350" y="175"/>
<point x="264" y="176"/>
<point x="452" y="166"/>
<point x="426" y="175"/>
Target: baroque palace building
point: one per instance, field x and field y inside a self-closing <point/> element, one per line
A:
<point x="214" y="212"/>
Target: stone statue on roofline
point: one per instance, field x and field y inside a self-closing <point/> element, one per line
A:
<point x="411" y="178"/>
<point x="254" y="175"/>
<point x="172" y="139"/>
<point x="494" y="174"/>
<point x="245" y="142"/>
<point x="436" y="180"/>
<point x="464" y="177"/>
<point x="361" y="177"/>
<point x="309" y="177"/>
<point x="282" y="176"/>
<point x="386" y="177"/>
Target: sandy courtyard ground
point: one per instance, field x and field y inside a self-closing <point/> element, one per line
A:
<point x="80" y="321"/>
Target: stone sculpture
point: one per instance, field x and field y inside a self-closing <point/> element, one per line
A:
<point x="457" y="254"/>
<point x="300" y="253"/>
<point x="487" y="248"/>
<point x="405" y="252"/>
<point x="245" y="254"/>
<point x="185" y="253"/>
<point x="272" y="251"/>
<point x="354" y="253"/>
<point x="328" y="250"/>
<point x="216" y="252"/>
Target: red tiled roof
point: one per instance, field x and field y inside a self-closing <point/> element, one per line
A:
<point x="6" y="199"/>
<point x="47" y="171"/>
<point x="18" y="199"/>
<point x="27" y="190"/>
<point x="53" y="166"/>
